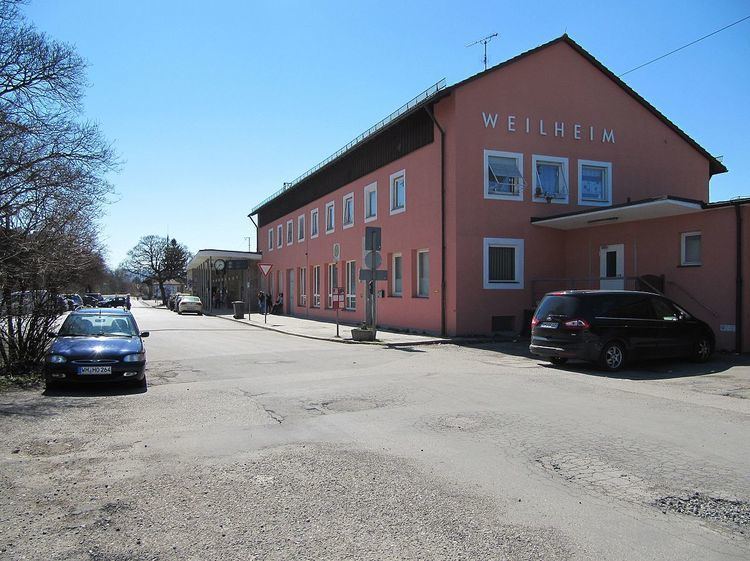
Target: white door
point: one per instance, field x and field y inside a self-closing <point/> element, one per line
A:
<point x="612" y="267"/>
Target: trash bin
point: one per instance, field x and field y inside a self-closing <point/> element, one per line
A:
<point x="239" y="309"/>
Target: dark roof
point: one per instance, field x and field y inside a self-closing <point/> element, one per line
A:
<point x="621" y="205"/>
<point x="715" y="166"/>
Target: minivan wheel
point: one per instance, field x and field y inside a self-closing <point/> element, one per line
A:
<point x="559" y="360"/>
<point x="703" y="349"/>
<point x="612" y="357"/>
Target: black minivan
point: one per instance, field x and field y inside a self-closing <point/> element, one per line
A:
<point x="610" y="327"/>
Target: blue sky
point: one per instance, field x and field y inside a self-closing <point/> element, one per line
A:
<point x="213" y="105"/>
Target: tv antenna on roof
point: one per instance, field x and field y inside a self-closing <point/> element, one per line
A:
<point x="484" y="42"/>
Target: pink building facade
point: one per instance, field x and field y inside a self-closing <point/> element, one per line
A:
<point x="543" y="173"/>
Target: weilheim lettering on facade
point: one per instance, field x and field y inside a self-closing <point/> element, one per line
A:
<point x="558" y="129"/>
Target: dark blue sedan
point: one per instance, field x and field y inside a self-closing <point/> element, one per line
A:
<point x="97" y="345"/>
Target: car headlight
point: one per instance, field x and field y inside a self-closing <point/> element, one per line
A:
<point x="137" y="357"/>
<point x="56" y="359"/>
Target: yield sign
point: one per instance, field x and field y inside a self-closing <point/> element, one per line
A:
<point x="265" y="268"/>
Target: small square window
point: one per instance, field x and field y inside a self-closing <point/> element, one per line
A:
<point x="503" y="175"/>
<point x="347" y="219"/>
<point x="594" y="183"/>
<point x="503" y="263"/>
<point x="549" y="179"/>
<point x="398" y="192"/>
<point x="690" y="249"/>
<point x="330" y="217"/>
<point x="314" y="223"/>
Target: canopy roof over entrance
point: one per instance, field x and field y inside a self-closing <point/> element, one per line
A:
<point x="204" y="255"/>
<point x="644" y="209"/>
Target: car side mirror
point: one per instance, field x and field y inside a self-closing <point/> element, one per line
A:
<point x="145" y="334"/>
<point x="51" y="334"/>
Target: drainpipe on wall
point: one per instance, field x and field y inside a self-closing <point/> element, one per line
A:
<point x="443" y="329"/>
<point x="738" y="293"/>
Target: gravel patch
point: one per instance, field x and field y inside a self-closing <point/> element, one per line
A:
<point x="710" y="508"/>
<point x="294" y="502"/>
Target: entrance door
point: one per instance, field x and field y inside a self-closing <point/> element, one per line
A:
<point x="612" y="267"/>
<point x="290" y="292"/>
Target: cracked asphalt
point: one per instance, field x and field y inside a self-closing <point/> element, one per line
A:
<point x="254" y="445"/>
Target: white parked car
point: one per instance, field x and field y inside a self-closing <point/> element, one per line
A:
<point x="190" y="304"/>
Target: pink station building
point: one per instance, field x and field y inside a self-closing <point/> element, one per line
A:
<point x="543" y="173"/>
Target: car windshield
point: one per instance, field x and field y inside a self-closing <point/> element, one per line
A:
<point x="92" y="325"/>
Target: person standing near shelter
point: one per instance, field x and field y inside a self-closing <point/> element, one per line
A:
<point x="261" y="302"/>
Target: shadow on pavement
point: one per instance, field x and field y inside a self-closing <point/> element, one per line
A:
<point x="94" y="390"/>
<point x="659" y="369"/>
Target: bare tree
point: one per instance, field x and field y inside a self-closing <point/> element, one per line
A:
<point x="158" y="259"/>
<point x="52" y="183"/>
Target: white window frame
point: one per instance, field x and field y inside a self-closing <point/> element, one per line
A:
<point x="331" y="205"/>
<point x="270" y="238"/>
<point x="607" y="183"/>
<point x="683" y="261"/>
<point x="392" y="181"/>
<point x="330" y="269"/>
<point x="419" y="276"/>
<point x="302" y="287"/>
<point x="316" y="286"/>
<point x="289" y="232"/>
<point x="344" y="224"/>
<point x="280" y="236"/>
<point x="536" y="159"/>
<point x="351" y="282"/>
<point x="516" y="243"/>
<point x="394" y="292"/>
<point x="371" y="188"/>
<point x="301" y="228"/>
<point x="314" y="213"/>
<point x="522" y="182"/>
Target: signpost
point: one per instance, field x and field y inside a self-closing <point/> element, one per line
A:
<point x="339" y="301"/>
<point x="370" y="272"/>
<point x="265" y="268"/>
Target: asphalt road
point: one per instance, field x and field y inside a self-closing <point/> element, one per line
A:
<point x="251" y="444"/>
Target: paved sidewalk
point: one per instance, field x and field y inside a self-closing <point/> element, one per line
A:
<point x="321" y="330"/>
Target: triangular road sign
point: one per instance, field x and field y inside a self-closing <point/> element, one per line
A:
<point x="265" y="268"/>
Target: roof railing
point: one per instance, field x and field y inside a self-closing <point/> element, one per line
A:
<point x="406" y="107"/>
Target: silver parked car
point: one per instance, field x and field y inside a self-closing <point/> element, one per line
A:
<point x="190" y="304"/>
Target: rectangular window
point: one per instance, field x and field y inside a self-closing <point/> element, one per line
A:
<point x="301" y="228"/>
<point x="279" y="283"/>
<point x="289" y="232"/>
<point x="314" y="223"/>
<point x="316" y="286"/>
<point x="594" y="183"/>
<point x="348" y="215"/>
<point x="279" y="236"/>
<point x="330" y="217"/>
<point x="397" y="275"/>
<point x="331" y="282"/>
<point x="690" y="249"/>
<point x="549" y="179"/>
<point x="371" y="202"/>
<point x="270" y="239"/>
<point x="503" y="263"/>
<point x="302" y="300"/>
<point x="423" y="273"/>
<point x="398" y="192"/>
<point x="503" y="175"/>
<point x="351" y="285"/>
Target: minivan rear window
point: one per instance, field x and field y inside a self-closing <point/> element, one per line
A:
<point x="558" y="306"/>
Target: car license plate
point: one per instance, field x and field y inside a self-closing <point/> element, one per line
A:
<point x="549" y="324"/>
<point x="95" y="370"/>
